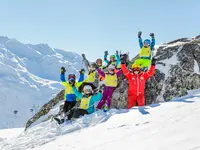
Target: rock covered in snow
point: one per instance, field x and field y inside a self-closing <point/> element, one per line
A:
<point x="178" y="70"/>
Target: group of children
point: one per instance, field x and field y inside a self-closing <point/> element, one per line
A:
<point x="89" y="91"/>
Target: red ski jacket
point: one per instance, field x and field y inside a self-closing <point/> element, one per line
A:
<point x="137" y="82"/>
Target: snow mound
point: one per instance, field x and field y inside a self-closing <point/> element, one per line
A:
<point x="175" y="124"/>
<point x="29" y="76"/>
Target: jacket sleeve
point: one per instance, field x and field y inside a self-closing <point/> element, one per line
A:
<point x="125" y="71"/>
<point x="106" y="60"/>
<point x="97" y="97"/>
<point x="77" y="93"/>
<point x="119" y="73"/>
<point x="62" y="78"/>
<point x="152" y="43"/>
<point x="118" y="60"/>
<point x="81" y="77"/>
<point x="140" y="42"/>
<point x="150" y="72"/>
<point x="101" y="72"/>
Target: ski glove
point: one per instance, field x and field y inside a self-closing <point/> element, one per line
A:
<point x="82" y="71"/>
<point x="152" y="35"/>
<point x="62" y="70"/>
<point x="106" y="53"/>
<point x="123" y="58"/>
<point x="139" y="34"/>
<point x="117" y="52"/>
<point x="153" y="61"/>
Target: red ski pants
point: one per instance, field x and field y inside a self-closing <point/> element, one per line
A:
<point x="134" y="99"/>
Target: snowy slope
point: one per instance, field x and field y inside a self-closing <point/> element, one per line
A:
<point x="173" y="125"/>
<point x="29" y="76"/>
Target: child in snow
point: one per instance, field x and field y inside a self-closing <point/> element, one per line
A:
<point x="145" y="51"/>
<point x="87" y="99"/>
<point x="110" y="84"/>
<point x="114" y="60"/>
<point x="137" y="80"/>
<point x="70" y="97"/>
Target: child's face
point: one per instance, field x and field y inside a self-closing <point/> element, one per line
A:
<point x="111" y="71"/>
<point x="146" y="45"/>
<point x="136" y="71"/>
<point x="99" y="63"/>
<point x="112" y="59"/>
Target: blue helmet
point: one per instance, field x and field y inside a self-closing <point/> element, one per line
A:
<point x="147" y="41"/>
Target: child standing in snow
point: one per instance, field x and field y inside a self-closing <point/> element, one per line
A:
<point x="111" y="83"/>
<point x="145" y="51"/>
<point x="70" y="97"/>
<point x="137" y="79"/>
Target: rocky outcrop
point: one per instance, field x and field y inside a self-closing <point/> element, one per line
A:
<point x="45" y="109"/>
<point x="177" y="71"/>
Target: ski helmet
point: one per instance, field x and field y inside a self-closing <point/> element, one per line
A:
<point x="71" y="77"/>
<point x="113" y="56"/>
<point x="99" y="60"/>
<point x="111" y="67"/>
<point x="136" y="67"/>
<point x="147" y="41"/>
<point x="87" y="89"/>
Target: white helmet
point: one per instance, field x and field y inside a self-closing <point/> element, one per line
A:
<point x="112" y="67"/>
<point x="87" y="89"/>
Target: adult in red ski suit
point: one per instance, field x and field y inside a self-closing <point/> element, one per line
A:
<point x="137" y="80"/>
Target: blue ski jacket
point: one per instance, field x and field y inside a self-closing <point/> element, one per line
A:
<point x="69" y="93"/>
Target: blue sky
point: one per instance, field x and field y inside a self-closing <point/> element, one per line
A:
<point x="93" y="26"/>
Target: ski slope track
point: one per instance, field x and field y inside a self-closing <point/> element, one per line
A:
<point x="173" y="125"/>
<point x="29" y="77"/>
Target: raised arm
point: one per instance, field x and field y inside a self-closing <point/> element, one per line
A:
<point x="77" y="93"/>
<point x="119" y="73"/>
<point x="140" y="42"/>
<point x="125" y="71"/>
<point x="97" y="97"/>
<point x="150" y="72"/>
<point x="81" y="76"/>
<point x="152" y="43"/>
<point x="101" y="72"/>
<point x="62" y="76"/>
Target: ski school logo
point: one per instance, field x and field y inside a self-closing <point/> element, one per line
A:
<point x="141" y="78"/>
<point x="133" y="78"/>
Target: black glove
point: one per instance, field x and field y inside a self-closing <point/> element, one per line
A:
<point x="139" y="34"/>
<point x="153" y="61"/>
<point x="152" y="35"/>
<point x="117" y="52"/>
<point x="123" y="59"/>
<point x="82" y="71"/>
<point x="62" y="70"/>
<point x="106" y="53"/>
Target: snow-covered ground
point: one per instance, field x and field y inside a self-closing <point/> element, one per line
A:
<point x="173" y="125"/>
<point x="29" y="77"/>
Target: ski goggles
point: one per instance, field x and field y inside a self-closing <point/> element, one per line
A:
<point x="136" y="69"/>
<point x="71" y="76"/>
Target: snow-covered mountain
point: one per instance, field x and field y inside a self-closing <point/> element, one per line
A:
<point x="29" y="77"/>
<point x="173" y="125"/>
